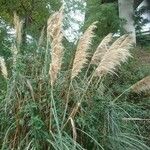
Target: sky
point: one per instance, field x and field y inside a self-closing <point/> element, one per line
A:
<point x="75" y="18"/>
<point x="72" y="33"/>
<point x="145" y="16"/>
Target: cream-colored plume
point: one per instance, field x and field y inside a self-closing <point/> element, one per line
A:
<point x="3" y="67"/>
<point x="18" y="27"/>
<point x="126" y="43"/>
<point x="142" y="85"/>
<point x="113" y="57"/>
<point x="81" y="53"/>
<point x="101" y="49"/>
<point x="118" y="42"/>
<point x="54" y="34"/>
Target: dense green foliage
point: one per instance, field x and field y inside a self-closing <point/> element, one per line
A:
<point x="107" y="16"/>
<point x="4" y="40"/>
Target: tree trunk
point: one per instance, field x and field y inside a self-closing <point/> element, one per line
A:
<point x="126" y="12"/>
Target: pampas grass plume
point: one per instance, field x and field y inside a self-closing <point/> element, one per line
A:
<point x="54" y="32"/>
<point x="81" y="53"/>
<point x="101" y="49"/>
<point x="117" y="53"/>
<point x="3" y="67"/>
<point x="142" y="85"/>
<point x="18" y="27"/>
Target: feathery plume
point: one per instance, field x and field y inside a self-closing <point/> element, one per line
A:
<point x="126" y="43"/>
<point x="101" y="49"/>
<point x="81" y="53"/>
<point x="118" y="42"/>
<point x="3" y="67"/>
<point x="114" y="57"/>
<point x="18" y="27"/>
<point x="54" y="33"/>
<point x="52" y="24"/>
<point x="142" y="85"/>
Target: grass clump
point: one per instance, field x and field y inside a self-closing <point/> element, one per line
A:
<point x="46" y="107"/>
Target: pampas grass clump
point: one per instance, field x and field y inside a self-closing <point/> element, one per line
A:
<point x="42" y="115"/>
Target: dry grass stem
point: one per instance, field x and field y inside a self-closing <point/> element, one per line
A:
<point x="101" y="49"/>
<point x="81" y="53"/>
<point x="54" y="32"/>
<point x="142" y="85"/>
<point x="73" y="129"/>
<point x="41" y="37"/>
<point x="135" y="119"/>
<point x="3" y="68"/>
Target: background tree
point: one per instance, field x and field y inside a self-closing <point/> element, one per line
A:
<point x="106" y="14"/>
<point x="126" y="12"/>
<point x="34" y="14"/>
